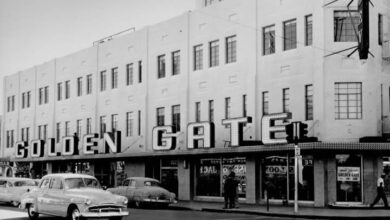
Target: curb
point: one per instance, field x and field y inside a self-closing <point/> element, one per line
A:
<point x="271" y="214"/>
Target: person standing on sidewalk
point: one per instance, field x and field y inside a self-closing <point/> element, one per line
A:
<point x="230" y="191"/>
<point x="380" y="188"/>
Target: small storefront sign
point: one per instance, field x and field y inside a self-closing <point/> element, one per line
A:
<point x="351" y="174"/>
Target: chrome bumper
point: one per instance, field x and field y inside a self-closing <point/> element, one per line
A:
<point x="103" y="214"/>
<point x="160" y="201"/>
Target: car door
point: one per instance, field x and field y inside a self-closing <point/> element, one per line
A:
<point x="8" y="191"/>
<point x="56" y="198"/>
<point x="42" y="200"/>
<point x="122" y="190"/>
<point x="3" y="185"/>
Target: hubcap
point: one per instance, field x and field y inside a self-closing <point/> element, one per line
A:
<point x="31" y="210"/>
<point x="76" y="214"/>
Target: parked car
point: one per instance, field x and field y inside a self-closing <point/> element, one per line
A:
<point x="142" y="190"/>
<point x="12" y="189"/>
<point x="73" y="196"/>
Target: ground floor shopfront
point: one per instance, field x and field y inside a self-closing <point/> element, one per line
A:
<point x="332" y="175"/>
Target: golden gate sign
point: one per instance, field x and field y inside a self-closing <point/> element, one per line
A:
<point x="163" y="138"/>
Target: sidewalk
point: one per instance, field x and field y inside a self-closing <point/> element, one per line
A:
<point x="288" y="211"/>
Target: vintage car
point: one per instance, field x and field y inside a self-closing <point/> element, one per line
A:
<point x="12" y="189"/>
<point x="73" y="196"/>
<point x="142" y="191"/>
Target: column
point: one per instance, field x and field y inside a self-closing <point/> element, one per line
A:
<point x="184" y="178"/>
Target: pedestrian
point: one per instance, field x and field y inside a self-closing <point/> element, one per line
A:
<point x="380" y="188"/>
<point x="230" y="191"/>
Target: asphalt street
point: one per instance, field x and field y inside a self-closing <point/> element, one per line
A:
<point x="12" y="213"/>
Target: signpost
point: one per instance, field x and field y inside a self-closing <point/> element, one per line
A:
<point x="297" y="157"/>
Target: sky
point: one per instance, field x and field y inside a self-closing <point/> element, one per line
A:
<point x="35" y="31"/>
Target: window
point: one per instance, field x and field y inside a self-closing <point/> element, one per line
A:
<point x="140" y="71"/>
<point x="308" y="30"/>
<point x="89" y="126"/>
<point x="227" y="107"/>
<point x="161" y="66"/>
<point x="46" y="94"/>
<point x="269" y="40"/>
<point x="139" y="123"/>
<point x="102" y="126"/>
<point x="79" y="86"/>
<point x="176" y="63"/>
<point x="290" y="34"/>
<point x="160" y="116"/>
<point x="89" y="84"/>
<point x="346" y="165"/>
<point x="348" y="100"/>
<point x="345" y="26"/>
<point x="67" y="128"/>
<point x="309" y="102"/>
<point x="286" y="100"/>
<point x="129" y="124"/>
<point x="28" y="99"/>
<point x="10" y="138"/>
<point x="67" y="89"/>
<point x="214" y="53"/>
<point x="129" y="74"/>
<point x="211" y="110"/>
<point x="244" y="107"/>
<point x="23" y="100"/>
<point x="231" y="49"/>
<point x="208" y="2"/>
<point x="42" y="132"/>
<point x="114" y="122"/>
<point x="380" y="29"/>
<point x="198" y="57"/>
<point x="103" y="80"/>
<point x="265" y="103"/>
<point x="176" y="118"/>
<point x="114" y="78"/>
<point x="197" y="111"/>
<point x="79" y="124"/>
<point x="10" y="103"/>
<point x="58" y="132"/>
<point x="25" y="134"/>
<point x="59" y="91"/>
<point x="41" y="96"/>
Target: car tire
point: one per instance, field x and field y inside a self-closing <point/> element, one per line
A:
<point x="73" y="214"/>
<point x="32" y="215"/>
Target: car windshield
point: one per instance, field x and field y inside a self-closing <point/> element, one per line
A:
<point x="151" y="183"/>
<point x="24" y="183"/>
<point x="74" y="183"/>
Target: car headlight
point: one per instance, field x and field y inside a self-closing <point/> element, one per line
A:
<point x="88" y="202"/>
<point x="125" y="201"/>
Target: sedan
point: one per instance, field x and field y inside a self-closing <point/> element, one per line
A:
<point x="73" y="196"/>
<point x="12" y="189"/>
<point x="143" y="190"/>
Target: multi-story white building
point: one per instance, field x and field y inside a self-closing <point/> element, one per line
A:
<point x="226" y="59"/>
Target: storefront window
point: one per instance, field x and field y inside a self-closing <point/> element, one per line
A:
<point x="274" y="177"/>
<point x="120" y="172"/>
<point x="386" y="171"/>
<point x="211" y="175"/>
<point x="305" y="178"/>
<point x="209" y="178"/>
<point x="349" y="178"/>
<point x="238" y="166"/>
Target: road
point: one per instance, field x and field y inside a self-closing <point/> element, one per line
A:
<point x="12" y="213"/>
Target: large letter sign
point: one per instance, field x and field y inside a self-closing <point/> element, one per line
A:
<point x="269" y="128"/>
<point x="21" y="151"/>
<point x="163" y="138"/>
<point x="90" y="144"/>
<point x="237" y="129"/>
<point x="112" y="142"/>
<point x="51" y="145"/>
<point x="37" y="148"/>
<point x="207" y="136"/>
<point x="70" y="146"/>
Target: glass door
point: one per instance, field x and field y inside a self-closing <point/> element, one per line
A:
<point x="349" y="178"/>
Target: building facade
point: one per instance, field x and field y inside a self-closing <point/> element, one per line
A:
<point x="192" y="98"/>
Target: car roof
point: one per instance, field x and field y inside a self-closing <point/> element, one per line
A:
<point x="14" y="179"/>
<point x="143" y="179"/>
<point x="68" y="175"/>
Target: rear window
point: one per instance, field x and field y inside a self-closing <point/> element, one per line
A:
<point x="151" y="183"/>
<point x="75" y="183"/>
<point x="24" y="183"/>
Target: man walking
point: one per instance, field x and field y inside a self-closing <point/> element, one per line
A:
<point x="380" y="192"/>
<point x="230" y="190"/>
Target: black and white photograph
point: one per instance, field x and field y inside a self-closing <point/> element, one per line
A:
<point x="194" y="109"/>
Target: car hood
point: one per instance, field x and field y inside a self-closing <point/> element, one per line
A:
<point x="97" y="196"/>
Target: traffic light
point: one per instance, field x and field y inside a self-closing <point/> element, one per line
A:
<point x="302" y="131"/>
<point x="290" y="133"/>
